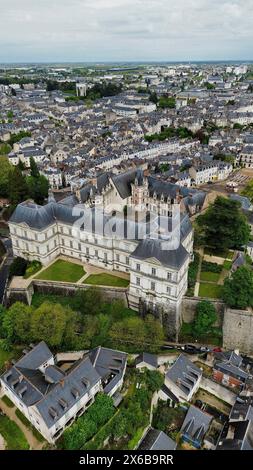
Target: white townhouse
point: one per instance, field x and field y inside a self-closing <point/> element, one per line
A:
<point x="51" y="397"/>
<point x="183" y="378"/>
<point x="216" y="170"/>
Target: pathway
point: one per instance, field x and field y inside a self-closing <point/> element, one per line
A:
<point x="196" y="288"/>
<point x="31" y="439"/>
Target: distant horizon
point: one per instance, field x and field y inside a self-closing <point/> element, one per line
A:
<point x="127" y="62"/>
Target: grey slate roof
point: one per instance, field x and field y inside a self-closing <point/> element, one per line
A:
<point x="109" y="364"/>
<point x="150" y="248"/>
<point x="157" y="440"/>
<point x="64" y="388"/>
<point x="196" y="424"/>
<point x="53" y="389"/>
<point x="148" y="358"/>
<point x="36" y="357"/>
<point x="184" y="374"/>
<point x="123" y="183"/>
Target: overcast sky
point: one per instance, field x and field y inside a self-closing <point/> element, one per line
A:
<point x="114" y="30"/>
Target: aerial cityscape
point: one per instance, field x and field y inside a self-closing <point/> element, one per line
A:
<point x="126" y="236"/>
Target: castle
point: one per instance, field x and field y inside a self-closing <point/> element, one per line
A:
<point x="123" y="223"/>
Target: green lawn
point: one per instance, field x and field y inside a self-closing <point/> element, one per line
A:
<point x="62" y="271"/>
<point x="4" y="357"/>
<point x="227" y="265"/>
<point x="106" y="280"/>
<point x="12" y="434"/>
<point x="27" y="423"/>
<point x="213" y="291"/>
<point x="208" y="276"/>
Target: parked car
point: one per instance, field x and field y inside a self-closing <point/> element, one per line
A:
<point x="217" y="350"/>
<point x="189" y="349"/>
<point x="204" y="349"/>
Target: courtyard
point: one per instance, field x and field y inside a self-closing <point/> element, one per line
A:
<point x="213" y="269"/>
<point x="64" y="270"/>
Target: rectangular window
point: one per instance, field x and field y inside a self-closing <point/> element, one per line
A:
<point x="105" y="257"/>
<point x="138" y="267"/>
<point x="117" y="258"/>
<point x="79" y="247"/>
<point x="96" y="253"/>
<point x="63" y="242"/>
<point x="168" y="290"/>
<point x="152" y="285"/>
<point x="127" y="260"/>
<point x="87" y="251"/>
<point x="153" y="272"/>
<point x="169" y="276"/>
<point x="71" y="244"/>
<point x="138" y="281"/>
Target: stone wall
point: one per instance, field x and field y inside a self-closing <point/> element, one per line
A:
<point x="189" y="305"/>
<point x="238" y="330"/>
<point x="66" y="289"/>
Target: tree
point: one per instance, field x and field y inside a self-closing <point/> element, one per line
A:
<point x="205" y="317"/>
<point x="49" y="323"/>
<point x="84" y="301"/>
<point x="34" y="168"/>
<point x="18" y="190"/>
<point x="17" y="323"/>
<point x="238" y="289"/>
<point x="165" y="102"/>
<point x="153" y="333"/>
<point x="18" y="267"/>
<point x="224" y="225"/>
<point x="37" y="188"/>
<point x="154" y="380"/>
<point x="125" y="333"/>
<point x="5" y="170"/>
<point x="248" y="190"/>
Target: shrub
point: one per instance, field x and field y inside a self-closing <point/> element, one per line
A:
<point x="18" y="267"/>
<point x="206" y="316"/>
<point x="88" y="424"/>
<point x="7" y="401"/>
<point x="193" y="270"/>
<point x="32" y="268"/>
<point x="211" y="267"/>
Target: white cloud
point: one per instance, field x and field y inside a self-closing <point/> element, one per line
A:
<point x="125" y="29"/>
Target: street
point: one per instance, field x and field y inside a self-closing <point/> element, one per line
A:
<point x="4" y="270"/>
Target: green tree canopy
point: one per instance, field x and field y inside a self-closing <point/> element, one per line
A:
<point x="238" y="290"/>
<point x="49" y="324"/>
<point x="17" y="187"/>
<point x="205" y="317"/>
<point x="34" y="168"/>
<point x="17" y="323"/>
<point x="5" y="169"/>
<point x="224" y="225"/>
<point x="37" y="188"/>
<point x="248" y="190"/>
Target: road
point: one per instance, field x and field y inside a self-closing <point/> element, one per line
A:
<point x="4" y="270"/>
